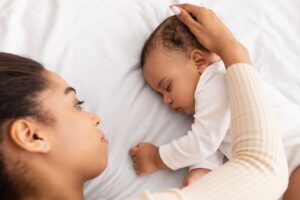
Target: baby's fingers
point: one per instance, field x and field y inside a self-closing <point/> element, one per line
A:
<point x="138" y="166"/>
<point x="133" y="151"/>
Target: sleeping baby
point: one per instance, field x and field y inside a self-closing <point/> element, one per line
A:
<point x="191" y="80"/>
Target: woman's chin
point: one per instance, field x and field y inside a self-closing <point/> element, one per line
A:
<point x="98" y="167"/>
<point x="97" y="172"/>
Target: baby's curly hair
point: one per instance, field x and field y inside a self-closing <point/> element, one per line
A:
<point x="173" y="35"/>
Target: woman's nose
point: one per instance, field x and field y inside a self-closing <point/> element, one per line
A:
<point x="96" y="119"/>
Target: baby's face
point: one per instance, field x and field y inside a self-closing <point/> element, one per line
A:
<point x="174" y="76"/>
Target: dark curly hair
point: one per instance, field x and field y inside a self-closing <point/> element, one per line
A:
<point x="172" y="35"/>
<point x="21" y="82"/>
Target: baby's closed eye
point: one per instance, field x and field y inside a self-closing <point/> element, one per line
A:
<point x="169" y="87"/>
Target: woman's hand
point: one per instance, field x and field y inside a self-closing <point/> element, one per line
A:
<point x="212" y="33"/>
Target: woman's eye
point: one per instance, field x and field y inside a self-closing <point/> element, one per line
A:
<point x="169" y="88"/>
<point x="78" y="105"/>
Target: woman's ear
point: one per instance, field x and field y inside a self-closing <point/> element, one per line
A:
<point x="200" y="60"/>
<point x="27" y="135"/>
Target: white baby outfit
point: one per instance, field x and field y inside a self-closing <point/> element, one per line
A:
<point x="208" y="141"/>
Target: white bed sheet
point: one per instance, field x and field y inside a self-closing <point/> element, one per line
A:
<point x="95" y="45"/>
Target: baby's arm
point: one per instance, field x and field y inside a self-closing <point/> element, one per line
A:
<point x="146" y="159"/>
<point x="212" y="121"/>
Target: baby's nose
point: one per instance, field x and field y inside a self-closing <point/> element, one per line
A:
<point x="167" y="100"/>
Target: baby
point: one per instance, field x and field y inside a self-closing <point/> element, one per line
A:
<point x="192" y="81"/>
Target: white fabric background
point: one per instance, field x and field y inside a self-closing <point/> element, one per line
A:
<point x="95" y="45"/>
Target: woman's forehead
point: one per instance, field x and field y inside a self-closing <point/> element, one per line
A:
<point x="56" y="80"/>
<point x="57" y="93"/>
<point x="56" y="89"/>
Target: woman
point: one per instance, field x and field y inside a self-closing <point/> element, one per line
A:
<point x="48" y="142"/>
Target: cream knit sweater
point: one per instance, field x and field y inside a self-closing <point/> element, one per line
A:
<point x="258" y="168"/>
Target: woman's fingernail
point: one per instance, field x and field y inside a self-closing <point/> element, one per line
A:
<point x="176" y="10"/>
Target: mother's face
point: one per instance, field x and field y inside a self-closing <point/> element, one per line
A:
<point x="76" y="145"/>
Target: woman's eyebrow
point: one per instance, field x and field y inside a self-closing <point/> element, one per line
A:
<point x="69" y="89"/>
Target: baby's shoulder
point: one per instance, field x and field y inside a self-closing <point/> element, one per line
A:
<point x="213" y="76"/>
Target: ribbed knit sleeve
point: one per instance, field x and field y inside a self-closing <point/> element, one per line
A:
<point x="258" y="168"/>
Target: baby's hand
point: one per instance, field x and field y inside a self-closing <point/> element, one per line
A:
<point x="146" y="159"/>
<point x="194" y="175"/>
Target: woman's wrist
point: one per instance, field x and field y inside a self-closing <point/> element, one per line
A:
<point x="234" y="53"/>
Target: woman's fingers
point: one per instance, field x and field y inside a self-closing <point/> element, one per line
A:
<point x="212" y="33"/>
<point x="191" y="22"/>
<point x="185" y="17"/>
<point x="195" y="11"/>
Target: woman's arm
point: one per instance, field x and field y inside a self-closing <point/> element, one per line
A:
<point x="258" y="168"/>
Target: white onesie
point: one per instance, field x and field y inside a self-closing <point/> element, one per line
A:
<point x="205" y="145"/>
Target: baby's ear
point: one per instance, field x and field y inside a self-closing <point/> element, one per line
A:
<point x="200" y="59"/>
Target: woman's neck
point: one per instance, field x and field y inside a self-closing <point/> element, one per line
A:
<point x="57" y="192"/>
<point x="57" y="184"/>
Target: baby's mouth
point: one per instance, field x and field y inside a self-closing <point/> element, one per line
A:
<point x="178" y="109"/>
